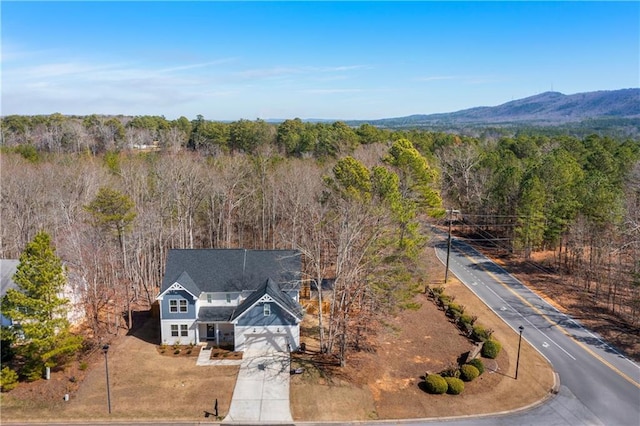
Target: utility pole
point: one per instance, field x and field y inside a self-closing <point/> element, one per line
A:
<point x="446" y="272"/>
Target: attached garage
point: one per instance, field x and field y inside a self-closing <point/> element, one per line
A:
<point x="265" y="342"/>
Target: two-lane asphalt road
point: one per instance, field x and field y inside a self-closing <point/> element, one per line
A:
<point x="605" y="384"/>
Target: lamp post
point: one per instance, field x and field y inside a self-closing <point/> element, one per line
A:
<point x="521" y="328"/>
<point x="105" y="349"/>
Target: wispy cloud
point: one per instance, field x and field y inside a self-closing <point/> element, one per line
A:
<point x="284" y="71"/>
<point x="437" y="78"/>
<point x="330" y="91"/>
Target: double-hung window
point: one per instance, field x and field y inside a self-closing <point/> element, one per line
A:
<point x="184" y="330"/>
<point x="176" y="306"/>
<point x="174" y="330"/>
<point x="266" y="309"/>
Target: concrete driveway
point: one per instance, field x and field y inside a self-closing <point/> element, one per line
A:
<point x="262" y="389"/>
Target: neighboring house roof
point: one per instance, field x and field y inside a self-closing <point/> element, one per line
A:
<point x="271" y="289"/>
<point x="230" y="270"/>
<point x="8" y="268"/>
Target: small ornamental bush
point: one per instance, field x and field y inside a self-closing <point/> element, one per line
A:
<point x="444" y="299"/>
<point x="454" y="386"/>
<point x="436" y="384"/>
<point x="457" y="308"/>
<point x="491" y="349"/>
<point x="465" y="319"/>
<point x="477" y="363"/>
<point x="468" y="372"/>
<point x="438" y="290"/>
<point x="451" y="371"/>
<point x="8" y="379"/>
<point x="481" y="334"/>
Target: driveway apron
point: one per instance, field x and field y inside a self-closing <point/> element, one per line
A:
<point x="262" y="389"/>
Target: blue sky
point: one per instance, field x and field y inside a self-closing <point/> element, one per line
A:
<point x="335" y="60"/>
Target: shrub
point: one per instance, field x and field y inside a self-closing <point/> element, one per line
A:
<point x="436" y="384"/>
<point x="465" y="319"/>
<point x="491" y="349"/>
<point x="451" y="371"/>
<point x="468" y="372"/>
<point x="8" y="379"/>
<point x="454" y="386"/>
<point x="444" y="300"/>
<point x="438" y="290"/>
<point x="477" y="363"/>
<point x="83" y="365"/>
<point x="481" y="334"/>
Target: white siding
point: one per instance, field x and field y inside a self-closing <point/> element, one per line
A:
<point x="168" y="339"/>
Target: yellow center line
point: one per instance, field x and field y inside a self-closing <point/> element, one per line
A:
<point x="553" y="323"/>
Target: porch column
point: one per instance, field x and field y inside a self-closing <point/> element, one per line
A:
<point x="217" y="335"/>
<point x="197" y="333"/>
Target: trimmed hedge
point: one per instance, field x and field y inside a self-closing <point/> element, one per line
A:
<point x="491" y="349"/>
<point x="468" y="372"/>
<point x="454" y="386"/>
<point x="477" y="363"/>
<point x="436" y="384"/>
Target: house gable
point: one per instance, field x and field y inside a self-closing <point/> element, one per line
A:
<point x="256" y="317"/>
<point x="184" y="283"/>
<point x="270" y="293"/>
<point x="177" y="304"/>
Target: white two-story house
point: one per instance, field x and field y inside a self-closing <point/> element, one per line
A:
<point x="247" y="299"/>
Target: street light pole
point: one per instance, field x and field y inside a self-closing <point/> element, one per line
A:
<point x="105" y="349"/>
<point x="521" y="328"/>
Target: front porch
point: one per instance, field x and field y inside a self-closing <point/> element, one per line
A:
<point x="215" y="333"/>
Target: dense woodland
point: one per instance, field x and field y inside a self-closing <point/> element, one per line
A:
<point x="115" y="193"/>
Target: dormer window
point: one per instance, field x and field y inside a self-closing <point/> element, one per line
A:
<point x="228" y="297"/>
<point x="266" y="309"/>
<point x="209" y="297"/>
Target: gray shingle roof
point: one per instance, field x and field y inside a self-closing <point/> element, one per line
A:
<point x="215" y="313"/>
<point x="229" y="270"/>
<point x="272" y="289"/>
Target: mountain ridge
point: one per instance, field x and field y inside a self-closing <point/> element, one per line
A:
<point x="546" y="108"/>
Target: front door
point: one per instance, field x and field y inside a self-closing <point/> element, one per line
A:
<point x="211" y="331"/>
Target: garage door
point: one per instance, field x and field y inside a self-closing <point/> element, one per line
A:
<point x="265" y="343"/>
